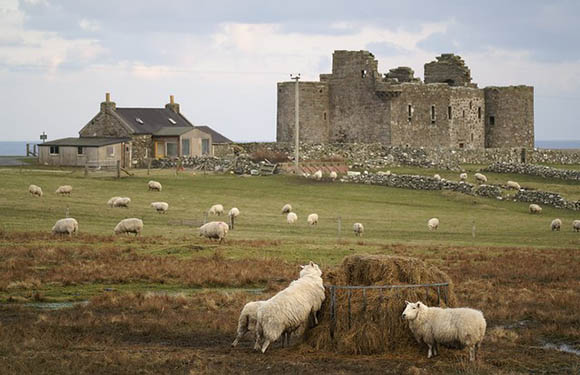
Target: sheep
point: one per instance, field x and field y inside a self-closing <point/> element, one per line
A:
<point x="358" y="229"/>
<point x="463" y="176"/>
<point x="286" y="208"/>
<point x="437" y="177"/>
<point x="433" y="223"/>
<point x="161" y="207"/>
<point x="312" y="219"/>
<point x="513" y="185"/>
<point x="35" y="190"/>
<point x="480" y="178"/>
<point x="214" y="230"/>
<point x="132" y="225"/>
<point x="64" y="190"/>
<point x="535" y="209"/>
<point x="333" y="175"/>
<point x="66" y="226"/>
<point x="216" y="209"/>
<point x="291" y="218"/>
<point x="111" y="202"/>
<point x="576" y="225"/>
<point x="247" y="320"/>
<point x="290" y="308"/>
<point x="122" y="202"/>
<point x="434" y="325"/>
<point x="233" y="213"/>
<point x="154" y="185"/>
<point x="317" y="175"/>
<point x="556" y="224"/>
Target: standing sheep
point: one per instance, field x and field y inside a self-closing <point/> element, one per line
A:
<point x="463" y="176"/>
<point x="513" y="185"/>
<point x="233" y="213"/>
<point x="556" y="224"/>
<point x="291" y="218"/>
<point x="216" y="230"/>
<point x="312" y="219"/>
<point x="480" y="178"/>
<point x="317" y="175"/>
<point x="576" y="225"/>
<point x="434" y="325"/>
<point x="437" y="177"/>
<point x="286" y="208"/>
<point x="358" y="229"/>
<point x="247" y="320"/>
<point x="122" y="202"/>
<point x="161" y="207"/>
<point x="154" y="185"/>
<point x="216" y="209"/>
<point x="433" y="223"/>
<point x="132" y="225"/>
<point x="66" y="226"/>
<point x="535" y="209"/>
<point x="35" y="190"/>
<point x="333" y="175"/>
<point x="111" y="202"/>
<point x="64" y="190"/>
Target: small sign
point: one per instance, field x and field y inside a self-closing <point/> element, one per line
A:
<point x="43" y="137"/>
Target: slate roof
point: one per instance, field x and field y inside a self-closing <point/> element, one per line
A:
<point x="215" y="136"/>
<point x="153" y="119"/>
<point x="173" y="130"/>
<point x="85" y="141"/>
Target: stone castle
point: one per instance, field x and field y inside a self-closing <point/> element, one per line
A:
<point x="355" y="103"/>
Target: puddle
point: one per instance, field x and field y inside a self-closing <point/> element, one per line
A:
<point x="54" y="305"/>
<point x="562" y="348"/>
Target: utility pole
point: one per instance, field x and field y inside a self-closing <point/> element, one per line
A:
<point x="296" y="122"/>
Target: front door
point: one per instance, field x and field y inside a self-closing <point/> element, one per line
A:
<point x="159" y="149"/>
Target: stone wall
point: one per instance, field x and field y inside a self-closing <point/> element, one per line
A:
<point x="534" y="170"/>
<point x="105" y="124"/>
<point x="449" y="69"/>
<point x="141" y="150"/>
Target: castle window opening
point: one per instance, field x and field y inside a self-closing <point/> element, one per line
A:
<point x="470" y="104"/>
<point x="449" y="112"/>
<point x="479" y="113"/>
<point x="464" y="113"/>
<point x="492" y="120"/>
<point x="320" y="91"/>
<point x="461" y="145"/>
<point x="432" y="114"/>
<point x="471" y="137"/>
<point x="324" y="115"/>
<point x="409" y="111"/>
<point x="363" y="73"/>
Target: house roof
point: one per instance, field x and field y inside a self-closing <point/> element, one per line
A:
<point x="215" y="136"/>
<point x="84" y="141"/>
<point x="173" y="130"/>
<point x="151" y="120"/>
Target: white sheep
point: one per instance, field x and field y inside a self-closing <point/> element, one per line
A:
<point x="312" y="219"/>
<point x="317" y="175"/>
<point x="154" y="185"/>
<point x="216" y="209"/>
<point x="286" y="208"/>
<point x="132" y="225"/>
<point x="247" y="320"/>
<point x="216" y="230"/>
<point x="161" y="207"/>
<point x="290" y="308"/>
<point x="535" y="209"/>
<point x="433" y="223"/>
<point x="480" y="178"/>
<point x="66" y="226"/>
<point x="234" y="212"/>
<point x="333" y="175"/>
<point x="576" y="225"/>
<point x="291" y="218"/>
<point x="513" y="185"/>
<point x="437" y="177"/>
<point x="64" y="190"/>
<point x="434" y="325"/>
<point x="556" y="225"/>
<point x="358" y="229"/>
<point x="463" y="176"/>
<point x="122" y="202"/>
<point x="111" y="202"/>
<point x="35" y="190"/>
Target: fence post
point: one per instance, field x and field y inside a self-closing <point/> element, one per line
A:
<point x="332" y="311"/>
<point x="232" y="221"/>
<point x="473" y="230"/>
<point x="118" y="168"/>
<point x="339" y="226"/>
<point x="27" y="149"/>
<point x="148" y="166"/>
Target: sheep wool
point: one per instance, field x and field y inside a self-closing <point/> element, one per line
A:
<point x="154" y="185"/>
<point x="66" y="226"/>
<point x="513" y="185"/>
<point x="122" y="202"/>
<point x="434" y="325"/>
<point x="111" y="201"/>
<point x="216" y="209"/>
<point x="286" y="208"/>
<point x="556" y="224"/>
<point x="317" y="175"/>
<point x="214" y="230"/>
<point x="64" y="190"/>
<point x="333" y="175"/>
<point x="576" y="225"/>
<point x="358" y="229"/>
<point x="312" y="219"/>
<point x="535" y="209"/>
<point x="35" y="190"/>
<point x="132" y="225"/>
<point x="463" y="176"/>
<point x="433" y="223"/>
<point x="437" y="177"/>
<point x="247" y="320"/>
<point x="291" y="218"/>
<point x="234" y="212"/>
<point x="480" y="178"/>
<point x="161" y="207"/>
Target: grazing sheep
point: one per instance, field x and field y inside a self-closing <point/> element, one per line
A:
<point x="234" y="212"/>
<point x="358" y="229"/>
<point x="66" y="226"/>
<point x="247" y="320"/>
<point x="437" y="177"/>
<point x="290" y="308"/>
<point x="463" y="176"/>
<point x="513" y="185"/>
<point x="161" y="207"/>
<point x="287" y="208"/>
<point x="576" y="225"/>
<point x="64" y="190"/>
<point x="214" y="230"/>
<point x="480" y="178"/>
<point x="434" y="325"/>
<point x="317" y="175"/>
<point x="154" y="185"/>
<point x="312" y="219"/>
<point x="111" y="202"/>
<point x="132" y="225"/>
<point x="122" y="202"/>
<point x="291" y="218"/>
<point x="35" y="190"/>
<point x="535" y="209"/>
<point x="216" y="209"/>
<point x="333" y="175"/>
<point x="556" y="224"/>
<point x="433" y="223"/>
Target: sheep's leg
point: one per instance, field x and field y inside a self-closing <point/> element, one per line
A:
<point x="430" y="352"/>
<point x="265" y="345"/>
<point x="258" y="338"/>
<point x="435" y="349"/>
<point x="471" y="353"/>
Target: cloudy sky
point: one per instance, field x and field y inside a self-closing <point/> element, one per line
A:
<point x="222" y="58"/>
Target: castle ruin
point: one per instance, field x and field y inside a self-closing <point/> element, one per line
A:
<point x="356" y="103"/>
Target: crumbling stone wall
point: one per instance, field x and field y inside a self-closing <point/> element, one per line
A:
<point x="534" y="170"/>
<point x="449" y="69"/>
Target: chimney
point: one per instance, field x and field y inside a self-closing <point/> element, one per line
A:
<point x="172" y="105"/>
<point x="108" y="105"/>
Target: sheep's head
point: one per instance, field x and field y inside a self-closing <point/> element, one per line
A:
<point x="310" y="269"/>
<point x="412" y="310"/>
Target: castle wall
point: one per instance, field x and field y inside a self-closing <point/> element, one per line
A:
<point x="448" y="68"/>
<point x="466" y="126"/>
<point x="509" y="116"/>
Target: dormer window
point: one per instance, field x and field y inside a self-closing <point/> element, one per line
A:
<point x="172" y="121"/>
<point x="139" y="120"/>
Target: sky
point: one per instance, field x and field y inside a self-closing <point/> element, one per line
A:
<point x="221" y="59"/>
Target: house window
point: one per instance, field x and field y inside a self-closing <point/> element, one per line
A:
<point x="432" y="114"/>
<point x="492" y="120"/>
<point x="110" y="151"/>
<point x="205" y="146"/>
<point x="80" y="150"/>
<point x="479" y="113"/>
<point x="449" y="112"/>
<point x="185" y="147"/>
<point x="54" y="150"/>
<point x="171" y="149"/>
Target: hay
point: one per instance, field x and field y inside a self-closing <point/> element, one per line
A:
<point x="376" y="327"/>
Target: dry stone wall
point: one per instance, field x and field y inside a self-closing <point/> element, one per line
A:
<point x="534" y="170"/>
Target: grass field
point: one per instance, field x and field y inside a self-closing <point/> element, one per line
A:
<point x="167" y="302"/>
